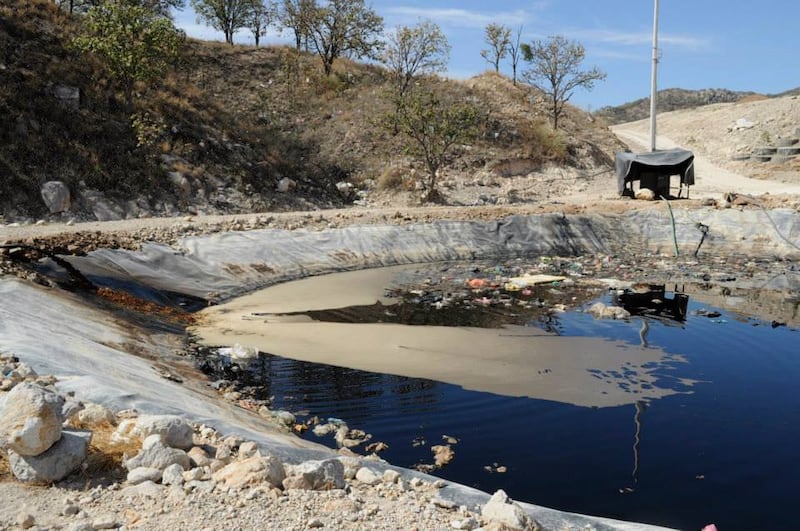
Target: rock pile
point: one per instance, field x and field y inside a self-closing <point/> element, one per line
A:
<point x="32" y="415"/>
<point x="173" y="464"/>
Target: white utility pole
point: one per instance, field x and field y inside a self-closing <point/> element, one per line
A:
<point x="653" y="81"/>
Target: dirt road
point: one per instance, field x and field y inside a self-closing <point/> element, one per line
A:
<point x="712" y="181"/>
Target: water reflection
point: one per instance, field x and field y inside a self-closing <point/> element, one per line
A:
<point x="498" y="341"/>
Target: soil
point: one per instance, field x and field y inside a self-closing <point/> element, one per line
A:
<point x="704" y="130"/>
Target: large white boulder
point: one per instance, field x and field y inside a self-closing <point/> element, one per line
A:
<point x="59" y="461"/>
<point x="30" y="419"/>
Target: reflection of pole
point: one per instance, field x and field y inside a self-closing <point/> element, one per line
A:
<point x="653" y="81"/>
<point x="637" y="419"/>
<point x="643" y="332"/>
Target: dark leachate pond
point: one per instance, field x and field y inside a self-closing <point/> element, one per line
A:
<point x="722" y="448"/>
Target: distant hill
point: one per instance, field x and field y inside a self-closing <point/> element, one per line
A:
<point x="790" y="92"/>
<point x="669" y="100"/>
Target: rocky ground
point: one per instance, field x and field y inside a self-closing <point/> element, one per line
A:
<point x="160" y="472"/>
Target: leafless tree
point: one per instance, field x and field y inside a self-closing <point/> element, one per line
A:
<point x="515" y="53"/>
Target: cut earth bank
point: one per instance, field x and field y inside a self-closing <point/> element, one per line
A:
<point x="114" y="357"/>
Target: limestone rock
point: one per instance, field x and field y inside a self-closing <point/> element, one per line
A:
<point x="123" y="435"/>
<point x="367" y="476"/>
<point x="155" y="454"/>
<point x="251" y="472"/>
<point x="175" y="431"/>
<point x="93" y="415"/>
<point x="248" y="449"/>
<point x="56" y="196"/>
<point x="59" y="461"/>
<point x="286" y="418"/>
<point x="199" y="457"/>
<point x="321" y="475"/>
<point x="21" y="372"/>
<point x="194" y="474"/>
<point x="296" y="483"/>
<point x="172" y="475"/>
<point x="467" y="524"/>
<point x="148" y="489"/>
<point x="502" y="509"/>
<point x="390" y="476"/>
<point x="30" y="419"/>
<point x="351" y="466"/>
<point x="105" y="521"/>
<point x="142" y="474"/>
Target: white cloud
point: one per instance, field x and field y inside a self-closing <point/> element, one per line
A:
<point x="642" y="38"/>
<point x="456" y="18"/>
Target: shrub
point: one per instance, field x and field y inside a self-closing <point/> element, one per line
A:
<point x="392" y="178"/>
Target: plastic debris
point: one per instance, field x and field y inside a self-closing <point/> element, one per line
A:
<point x="532" y="280"/>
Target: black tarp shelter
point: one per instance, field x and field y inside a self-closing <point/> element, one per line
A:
<point x="653" y="170"/>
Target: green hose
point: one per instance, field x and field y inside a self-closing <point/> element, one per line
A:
<point x="674" y="233"/>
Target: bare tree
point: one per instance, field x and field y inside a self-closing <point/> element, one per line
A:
<point x="260" y="18"/>
<point x="297" y="16"/>
<point x="497" y="37"/>
<point x="345" y="27"/>
<point x="556" y="71"/>
<point x="227" y="16"/>
<point x="515" y="53"/>
<point x="414" y="51"/>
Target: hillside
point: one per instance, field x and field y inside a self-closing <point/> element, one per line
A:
<point x="241" y="129"/>
<point x="672" y="99"/>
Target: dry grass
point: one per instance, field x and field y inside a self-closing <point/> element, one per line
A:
<point x="106" y="456"/>
<point x="5" y="466"/>
<point x="392" y="178"/>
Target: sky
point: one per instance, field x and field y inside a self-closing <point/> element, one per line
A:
<point x="729" y="44"/>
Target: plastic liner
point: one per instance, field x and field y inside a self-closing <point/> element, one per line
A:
<point x="221" y="266"/>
